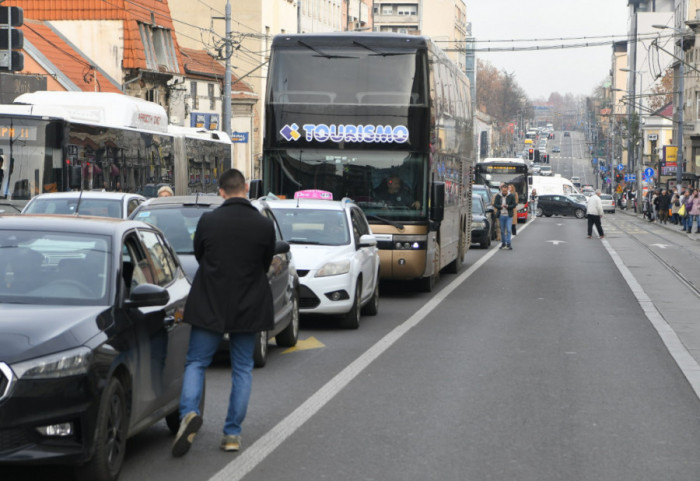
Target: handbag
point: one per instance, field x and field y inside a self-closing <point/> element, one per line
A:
<point x="681" y="211"/>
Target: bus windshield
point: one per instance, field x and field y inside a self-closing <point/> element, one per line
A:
<point x="388" y="185"/>
<point x="31" y="157"/>
<point x="358" y="75"/>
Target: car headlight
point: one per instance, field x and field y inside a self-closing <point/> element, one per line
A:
<point x="334" y="269"/>
<point x="477" y="225"/>
<point x="63" y="364"/>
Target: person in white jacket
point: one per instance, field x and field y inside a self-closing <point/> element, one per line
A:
<point x="594" y="212"/>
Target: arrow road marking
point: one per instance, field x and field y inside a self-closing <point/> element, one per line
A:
<point x="557" y="242"/>
<point x="660" y="246"/>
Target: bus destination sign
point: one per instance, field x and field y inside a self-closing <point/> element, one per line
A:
<point x="17" y="133"/>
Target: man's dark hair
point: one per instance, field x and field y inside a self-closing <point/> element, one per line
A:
<point x="232" y="181"/>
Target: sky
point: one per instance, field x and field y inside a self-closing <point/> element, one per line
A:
<point x="573" y="70"/>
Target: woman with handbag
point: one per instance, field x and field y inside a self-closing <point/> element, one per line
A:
<point x="694" y="213"/>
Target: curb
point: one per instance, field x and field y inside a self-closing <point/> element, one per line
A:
<point x="668" y="227"/>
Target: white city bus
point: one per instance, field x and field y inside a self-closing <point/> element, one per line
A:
<point x="118" y="141"/>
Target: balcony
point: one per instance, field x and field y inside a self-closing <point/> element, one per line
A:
<point x="396" y="19"/>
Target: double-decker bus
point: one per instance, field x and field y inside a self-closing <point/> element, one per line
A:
<point x="496" y="171"/>
<point x="114" y="141"/>
<point x="385" y="120"/>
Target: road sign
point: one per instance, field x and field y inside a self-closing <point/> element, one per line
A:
<point x="620" y="167"/>
<point x="630" y="177"/>
<point x="649" y="172"/>
<point x="595" y="160"/>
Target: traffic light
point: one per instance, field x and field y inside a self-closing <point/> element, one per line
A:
<point x="531" y="154"/>
<point x="11" y="39"/>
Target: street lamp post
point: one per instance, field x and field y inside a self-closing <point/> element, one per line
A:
<point x="680" y="104"/>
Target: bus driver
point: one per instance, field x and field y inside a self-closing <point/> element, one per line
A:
<point x="394" y="192"/>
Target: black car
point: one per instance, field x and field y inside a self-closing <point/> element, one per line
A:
<point x="92" y="346"/>
<point x="549" y="205"/>
<point x="487" y="195"/>
<point x="177" y="217"/>
<point x="482" y="227"/>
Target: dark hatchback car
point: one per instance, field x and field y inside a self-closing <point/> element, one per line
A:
<point x="549" y="205"/>
<point x="482" y="227"/>
<point x="487" y="194"/>
<point x="177" y="217"/>
<point x="91" y="344"/>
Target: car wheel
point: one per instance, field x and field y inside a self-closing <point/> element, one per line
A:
<point x="539" y="212"/>
<point x="260" y="353"/>
<point x="110" y="436"/>
<point x="290" y="334"/>
<point x="579" y="213"/>
<point x="486" y="243"/>
<point x="372" y="307"/>
<point x="351" y="320"/>
<point x="173" y="419"/>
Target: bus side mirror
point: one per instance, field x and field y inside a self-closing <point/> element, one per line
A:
<point x="437" y="202"/>
<point x="75" y="177"/>
<point x="255" y="189"/>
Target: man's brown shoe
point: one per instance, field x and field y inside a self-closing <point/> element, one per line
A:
<point x="189" y="426"/>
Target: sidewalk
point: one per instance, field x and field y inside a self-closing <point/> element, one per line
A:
<point x="672" y="227"/>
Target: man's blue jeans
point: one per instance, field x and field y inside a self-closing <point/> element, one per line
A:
<point x="203" y="346"/>
<point x="506" y="223"/>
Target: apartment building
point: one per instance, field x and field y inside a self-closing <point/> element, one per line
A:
<point x="445" y="21"/>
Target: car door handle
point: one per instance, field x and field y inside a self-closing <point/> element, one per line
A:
<point x="169" y="321"/>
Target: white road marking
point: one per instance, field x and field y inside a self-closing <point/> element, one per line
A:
<point x="557" y="242"/>
<point x="263" y="447"/>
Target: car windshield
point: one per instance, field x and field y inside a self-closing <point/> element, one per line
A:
<point x="54" y="268"/>
<point x="313" y="226"/>
<point x="63" y="205"/>
<point x="484" y="195"/>
<point x="178" y="223"/>
<point x="477" y="207"/>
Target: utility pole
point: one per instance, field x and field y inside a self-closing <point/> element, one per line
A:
<point x="226" y="101"/>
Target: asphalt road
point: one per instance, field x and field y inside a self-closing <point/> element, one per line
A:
<point x="540" y="363"/>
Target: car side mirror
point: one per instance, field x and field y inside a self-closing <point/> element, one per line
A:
<point x="367" y="240"/>
<point x="437" y="202"/>
<point x="255" y="189"/>
<point x="281" y="247"/>
<point x="146" y="295"/>
<point x="489" y="209"/>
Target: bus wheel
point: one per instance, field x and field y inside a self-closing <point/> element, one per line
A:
<point x="454" y="266"/>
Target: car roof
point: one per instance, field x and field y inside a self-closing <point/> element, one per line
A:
<point x="317" y="204"/>
<point x="87" y="194"/>
<point x="201" y="199"/>
<point x="69" y="223"/>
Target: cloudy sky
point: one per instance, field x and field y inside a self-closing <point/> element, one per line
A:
<point x="574" y="70"/>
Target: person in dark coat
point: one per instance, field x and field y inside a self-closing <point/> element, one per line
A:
<point x="663" y="205"/>
<point x="234" y="245"/>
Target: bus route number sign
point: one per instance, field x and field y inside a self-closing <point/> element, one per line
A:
<point x="18" y="133"/>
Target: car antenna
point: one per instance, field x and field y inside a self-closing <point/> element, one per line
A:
<point x="80" y="197"/>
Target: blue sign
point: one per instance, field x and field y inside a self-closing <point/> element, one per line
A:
<point x="239" y="137"/>
<point x="649" y="172"/>
<point x="630" y="178"/>
<point x="603" y="168"/>
<point x="595" y="160"/>
<point x="620" y="167"/>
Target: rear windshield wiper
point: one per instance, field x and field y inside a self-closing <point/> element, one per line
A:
<point x="386" y="221"/>
<point x="320" y="52"/>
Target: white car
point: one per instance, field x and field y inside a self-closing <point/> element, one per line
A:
<point x="580" y="198"/>
<point x="118" y="205"/>
<point x="608" y="203"/>
<point x="335" y="254"/>
<point x="546" y="170"/>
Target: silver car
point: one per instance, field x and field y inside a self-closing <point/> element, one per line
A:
<point x="118" y="205"/>
<point x="608" y="203"/>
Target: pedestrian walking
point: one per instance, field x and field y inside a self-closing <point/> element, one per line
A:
<point x="664" y="204"/>
<point x="694" y="213"/>
<point x="234" y="245"/>
<point x="594" y="213"/>
<point x="533" y="202"/>
<point x="505" y="205"/>
<point x="675" y="207"/>
<point x="688" y="203"/>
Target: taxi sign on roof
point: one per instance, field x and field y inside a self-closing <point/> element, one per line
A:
<point x="313" y="194"/>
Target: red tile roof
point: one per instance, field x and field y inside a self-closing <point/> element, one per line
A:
<point x="132" y="12"/>
<point x="199" y="64"/>
<point x="66" y="60"/>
